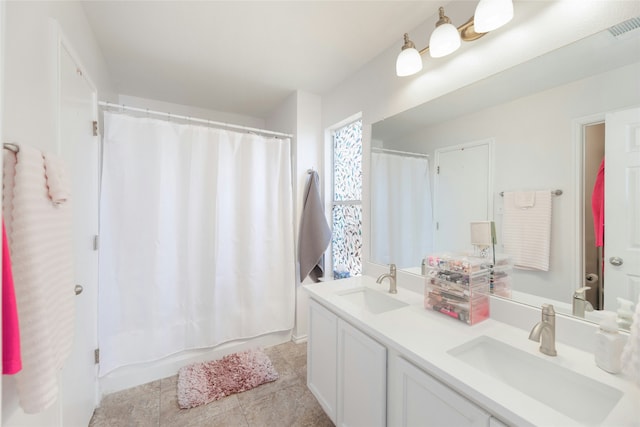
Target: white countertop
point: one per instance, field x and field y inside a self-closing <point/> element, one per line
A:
<point x="424" y="337"/>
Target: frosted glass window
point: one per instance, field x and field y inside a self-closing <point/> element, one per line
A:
<point x="347" y="162"/>
<point x="346" y="242"/>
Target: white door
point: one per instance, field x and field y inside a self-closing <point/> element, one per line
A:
<point x="462" y="189"/>
<point x="79" y="148"/>
<point x="622" y="207"/>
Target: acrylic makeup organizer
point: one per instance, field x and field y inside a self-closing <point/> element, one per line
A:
<point x="458" y="286"/>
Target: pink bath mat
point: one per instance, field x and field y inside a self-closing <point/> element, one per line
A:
<point x="201" y="383"/>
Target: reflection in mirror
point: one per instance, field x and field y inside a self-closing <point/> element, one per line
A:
<point x="537" y="116"/>
<point x="401" y="222"/>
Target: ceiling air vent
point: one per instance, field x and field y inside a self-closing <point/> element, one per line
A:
<point x="625" y="27"/>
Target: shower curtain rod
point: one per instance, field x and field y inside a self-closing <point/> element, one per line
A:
<point x="405" y="153"/>
<point x="193" y="119"/>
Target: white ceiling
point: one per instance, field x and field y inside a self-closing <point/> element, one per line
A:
<point x="244" y="57"/>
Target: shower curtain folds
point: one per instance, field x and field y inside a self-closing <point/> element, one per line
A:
<point x="196" y="230"/>
<point x="401" y="217"/>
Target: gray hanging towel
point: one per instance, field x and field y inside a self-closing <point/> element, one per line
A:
<point x="315" y="234"/>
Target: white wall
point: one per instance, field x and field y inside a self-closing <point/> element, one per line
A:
<point x="535" y="148"/>
<point x="31" y="67"/>
<point x="300" y="115"/>
<point x="538" y="27"/>
<point x="189" y="111"/>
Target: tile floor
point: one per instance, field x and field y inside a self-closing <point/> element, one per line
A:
<point x="284" y="402"/>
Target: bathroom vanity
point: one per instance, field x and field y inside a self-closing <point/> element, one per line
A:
<point x="378" y="359"/>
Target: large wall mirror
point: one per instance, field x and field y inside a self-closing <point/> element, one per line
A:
<point x="539" y="126"/>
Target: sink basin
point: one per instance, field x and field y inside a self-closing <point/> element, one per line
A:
<point x="372" y="301"/>
<point x="581" y="398"/>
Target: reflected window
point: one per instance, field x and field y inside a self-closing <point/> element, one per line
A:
<point x="346" y="242"/>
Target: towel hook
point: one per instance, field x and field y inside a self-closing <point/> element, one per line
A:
<point x="11" y="147"/>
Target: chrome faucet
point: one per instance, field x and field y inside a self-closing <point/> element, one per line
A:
<point x="391" y="275"/>
<point x="545" y="331"/>
<point x="580" y="303"/>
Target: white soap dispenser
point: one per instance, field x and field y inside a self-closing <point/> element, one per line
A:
<point x="609" y="345"/>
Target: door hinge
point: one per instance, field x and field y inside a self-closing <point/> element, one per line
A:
<point x="96" y="242"/>
<point x="96" y="356"/>
<point x="95" y="128"/>
<point x="438" y="170"/>
<point x="437" y="226"/>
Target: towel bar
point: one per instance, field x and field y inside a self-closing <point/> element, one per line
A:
<point x="553" y="193"/>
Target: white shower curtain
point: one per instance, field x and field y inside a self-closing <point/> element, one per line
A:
<point x="401" y="218"/>
<point x="196" y="232"/>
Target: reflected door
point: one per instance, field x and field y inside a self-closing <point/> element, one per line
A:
<point x="622" y="207"/>
<point x="461" y="193"/>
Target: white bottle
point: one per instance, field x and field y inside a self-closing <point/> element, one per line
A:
<point x="609" y="345"/>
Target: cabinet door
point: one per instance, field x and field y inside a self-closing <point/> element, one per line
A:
<point x="362" y="379"/>
<point x="425" y="401"/>
<point x="321" y="357"/>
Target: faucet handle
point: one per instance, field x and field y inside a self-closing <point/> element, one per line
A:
<point x="392" y="268"/>
<point x="548" y="310"/>
<point x="580" y="292"/>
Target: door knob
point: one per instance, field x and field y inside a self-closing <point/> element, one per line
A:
<point x="78" y="289"/>
<point x="614" y="260"/>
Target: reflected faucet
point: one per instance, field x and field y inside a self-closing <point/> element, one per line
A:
<point x="391" y="275"/>
<point x="580" y="303"/>
<point x="545" y="331"/>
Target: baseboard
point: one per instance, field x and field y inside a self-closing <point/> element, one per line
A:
<point x="299" y="339"/>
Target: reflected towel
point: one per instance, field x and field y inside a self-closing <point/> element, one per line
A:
<point x="315" y="233"/>
<point x="526" y="232"/>
<point x="57" y="181"/>
<point x="597" y="206"/>
<point x="525" y="199"/>
<point x="41" y="258"/>
<point x="631" y="352"/>
<point x="11" y="360"/>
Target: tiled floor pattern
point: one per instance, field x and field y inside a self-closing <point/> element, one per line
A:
<point x="284" y="402"/>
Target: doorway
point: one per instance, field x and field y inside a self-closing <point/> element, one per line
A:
<point x="593" y="156"/>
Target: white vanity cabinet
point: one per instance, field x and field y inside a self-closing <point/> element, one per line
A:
<point x="322" y="357"/>
<point x="346" y="370"/>
<point x="362" y="379"/>
<point x="418" y="399"/>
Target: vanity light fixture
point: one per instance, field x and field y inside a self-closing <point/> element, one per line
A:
<point x="446" y="38"/>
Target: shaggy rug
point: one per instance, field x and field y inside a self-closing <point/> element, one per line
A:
<point x="205" y="382"/>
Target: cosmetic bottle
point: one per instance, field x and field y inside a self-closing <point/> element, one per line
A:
<point x="609" y="345"/>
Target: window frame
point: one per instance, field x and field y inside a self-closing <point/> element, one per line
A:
<point x="330" y="154"/>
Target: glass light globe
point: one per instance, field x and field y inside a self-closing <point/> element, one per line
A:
<point x="492" y="14"/>
<point x="409" y="62"/>
<point x="444" y="40"/>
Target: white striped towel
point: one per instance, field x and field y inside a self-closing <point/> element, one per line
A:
<point x="8" y="178"/>
<point x="41" y="253"/>
<point x="57" y="181"/>
<point x="631" y="352"/>
<point x="526" y="231"/>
